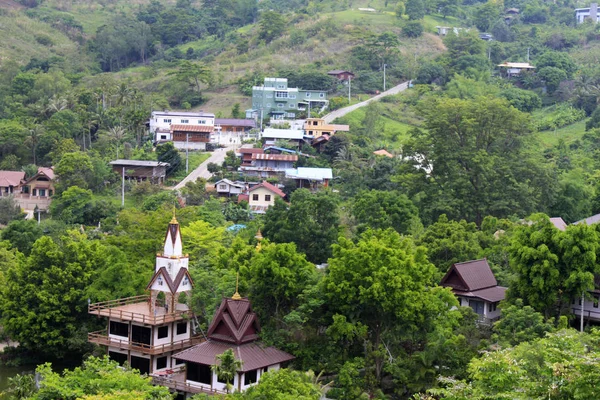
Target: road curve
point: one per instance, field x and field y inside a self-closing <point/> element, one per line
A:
<point x="329" y="118"/>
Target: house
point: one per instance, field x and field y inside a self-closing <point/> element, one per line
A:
<point x="559" y="223"/>
<point x="512" y="11"/>
<point x="383" y="153"/>
<point x="266" y="165"/>
<point x="37" y="191"/>
<point x="10" y="182"/>
<point x="591" y="304"/>
<point x="271" y="135"/>
<point x="146" y="330"/>
<point x="274" y="98"/>
<point x="139" y="170"/>
<point x="341" y="75"/>
<point x="589" y="13"/>
<point x="443" y="30"/>
<point x="310" y="177"/>
<point x="261" y="196"/>
<point x="315" y="127"/>
<point x="474" y="285"/>
<point x="512" y="69"/>
<point x="161" y="121"/>
<point x="234" y="125"/>
<point x="594" y="219"/>
<point x="283" y="150"/>
<point x="227" y="187"/>
<point x="234" y="327"/>
<point x="246" y="155"/>
<point x="191" y="137"/>
<point x="486" y="36"/>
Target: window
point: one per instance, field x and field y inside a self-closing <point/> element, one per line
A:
<point x="250" y="377"/>
<point x="161" y="362"/>
<point x="163" y="331"/>
<point x="163" y="137"/>
<point x="310" y="133"/>
<point x="159" y="280"/>
<point x="185" y="121"/>
<point x="265" y="369"/>
<point x="477" y="306"/>
<point x="223" y="187"/>
<point x="280" y="86"/>
<point x="167" y="121"/>
<point x="292" y="105"/>
<point x="315" y="123"/>
<point x="492" y="307"/>
<point x="118" y="357"/>
<point x="202" y="122"/>
<point x="140" y="334"/>
<point x="281" y="95"/>
<point x="280" y="105"/>
<point x="292" y="96"/>
<point x="307" y="94"/>
<point x="181" y="328"/>
<point x="179" y="362"/>
<point x="255" y="197"/>
<point x="186" y="281"/>
<point x="199" y="373"/>
<point x="118" y="329"/>
<point x="321" y="95"/>
<point x="141" y="364"/>
<point x="267" y="197"/>
<point x="42" y="192"/>
<point x="460" y="301"/>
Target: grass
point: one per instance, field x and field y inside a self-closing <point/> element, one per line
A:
<point x="115" y="199"/>
<point x="569" y="134"/>
<point x="196" y="158"/>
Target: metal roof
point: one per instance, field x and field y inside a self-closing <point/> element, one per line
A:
<point x="594" y="219"/>
<point x="274" y="157"/>
<point x="183" y="114"/>
<point x="283" y="133"/>
<point x="140" y="163"/>
<point x="472" y="275"/>
<point x="516" y="65"/>
<point x="192" y="128"/>
<point x="311" y="174"/>
<point x="249" y="123"/>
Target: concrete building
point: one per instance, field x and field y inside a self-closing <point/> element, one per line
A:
<point x="161" y="121"/>
<point x="591" y="13"/>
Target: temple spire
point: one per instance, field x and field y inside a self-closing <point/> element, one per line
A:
<point x="236" y="295"/>
<point x="174" y="219"/>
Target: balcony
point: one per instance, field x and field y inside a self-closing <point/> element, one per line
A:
<point x="137" y="309"/>
<point x="174" y="379"/>
<point x="103" y="339"/>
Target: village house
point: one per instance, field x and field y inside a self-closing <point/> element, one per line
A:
<point x="275" y="99"/>
<point x="246" y="155"/>
<point x="511" y="69"/>
<point x="10" y="182"/>
<point x="588" y="13"/>
<point x="268" y="165"/>
<point x="270" y="136"/>
<point x="225" y="187"/>
<point x="261" y="196"/>
<point x="232" y="125"/>
<point x="161" y="121"/>
<point x="235" y="326"/>
<point x="591" y="304"/>
<point x="191" y="137"/>
<point x="139" y="170"/>
<point x="36" y="192"/>
<point x="341" y="75"/>
<point x="310" y="178"/>
<point x="146" y="330"/>
<point x="474" y="285"/>
<point x="315" y="127"/>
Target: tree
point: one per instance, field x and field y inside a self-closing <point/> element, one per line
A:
<point x="226" y="367"/>
<point x="193" y="73"/>
<point x="73" y="169"/>
<point x="284" y="384"/>
<point x="22" y="234"/>
<point x="412" y="29"/>
<point x="311" y="222"/>
<point x="169" y="154"/>
<point x="75" y="206"/>
<point x="235" y="111"/>
<point x="377" y="209"/>
<point x="98" y="378"/>
<point x="415" y="9"/>
<point x="9" y="210"/>
<point x="522" y="100"/>
<point x="552" y="77"/>
<point x="557" y="59"/>
<point x="486" y="14"/>
<point x="271" y="26"/>
<point x="520" y="324"/>
<point x="553" y="267"/>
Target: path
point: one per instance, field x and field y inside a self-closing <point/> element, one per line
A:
<point x="329" y="118"/>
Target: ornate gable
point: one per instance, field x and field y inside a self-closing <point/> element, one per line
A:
<point x="454" y="281"/>
<point x="234" y="322"/>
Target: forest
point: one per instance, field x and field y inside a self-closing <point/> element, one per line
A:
<point x="480" y="163"/>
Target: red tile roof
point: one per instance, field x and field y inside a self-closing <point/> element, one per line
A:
<point x="269" y="187"/>
<point x="192" y="128"/>
<point x="252" y="355"/>
<point x="251" y="150"/>
<point x="11" y="178"/>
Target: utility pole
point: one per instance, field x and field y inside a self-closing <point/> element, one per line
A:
<point x="582" y="305"/>
<point x="528" y="54"/>
<point x="187" y="152"/>
<point x="309" y="109"/>
<point x="349" y="89"/>
<point x="261" y="119"/>
<point x="123" y="188"/>
<point x="384" y="65"/>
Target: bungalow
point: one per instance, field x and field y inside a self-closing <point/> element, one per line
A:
<point x="161" y="121"/>
<point x="310" y="177"/>
<point x="341" y="75"/>
<point x="315" y="127"/>
<point x="512" y="69"/>
<point x="234" y="327"/>
<point x="227" y="187"/>
<point x="139" y="170"/>
<point x="474" y="285"/>
<point x="37" y="190"/>
<point x="261" y="196"/>
<point x="191" y="137"/>
<point x="270" y="136"/>
<point x="234" y="125"/>
<point x="10" y="182"/>
<point x="591" y="306"/>
<point x="266" y="165"/>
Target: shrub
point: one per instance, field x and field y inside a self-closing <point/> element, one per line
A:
<point x="522" y="100"/>
<point x="561" y="115"/>
<point x="412" y="29"/>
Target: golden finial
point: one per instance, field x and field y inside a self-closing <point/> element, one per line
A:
<point x="259" y="238"/>
<point x="174" y="219"/>
<point x="236" y="295"/>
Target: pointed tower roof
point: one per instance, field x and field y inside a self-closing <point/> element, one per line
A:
<point x="173" y="245"/>
<point x="234" y="322"/>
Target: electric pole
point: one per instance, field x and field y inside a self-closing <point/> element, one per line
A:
<point x="384" y="65"/>
<point x="187" y="150"/>
<point x="349" y="89"/>
<point x="123" y="188"/>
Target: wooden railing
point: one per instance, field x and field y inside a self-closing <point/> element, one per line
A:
<point x="102" y="338"/>
<point x="107" y="309"/>
<point x="174" y="384"/>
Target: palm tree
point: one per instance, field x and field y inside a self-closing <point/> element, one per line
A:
<point x="33" y="136"/>
<point x="117" y="134"/>
<point x="226" y="367"/>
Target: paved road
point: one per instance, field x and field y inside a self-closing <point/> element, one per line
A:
<point x="343" y="111"/>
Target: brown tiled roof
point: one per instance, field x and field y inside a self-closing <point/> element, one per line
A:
<point x="492" y="294"/>
<point x="49" y="172"/>
<point x="270" y="187"/>
<point x="11" y="178"/>
<point x="275" y="157"/>
<point x="470" y="276"/>
<point x="192" y="128"/>
<point x="252" y="355"/>
<point x="248" y="123"/>
<point x="251" y="150"/>
<point x="234" y="322"/>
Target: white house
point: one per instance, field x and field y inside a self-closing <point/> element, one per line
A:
<point x="228" y="188"/>
<point x="262" y="196"/>
<point x="474" y="285"/>
<point x="310" y="177"/>
<point x="161" y="121"/>
<point x="513" y="69"/>
<point x="270" y="135"/>
<point x="591" y="13"/>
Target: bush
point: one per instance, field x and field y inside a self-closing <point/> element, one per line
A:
<point x="431" y="73"/>
<point x="522" y="100"/>
<point x="412" y="29"/>
<point x="561" y="115"/>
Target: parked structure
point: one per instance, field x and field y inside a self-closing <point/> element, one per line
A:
<point x="310" y="178"/>
<point x="10" y="182"/>
<point x="138" y="170"/>
<point x="145" y="331"/>
<point x="161" y="121"/>
<point x="513" y="69"/>
<point x="274" y="98"/>
<point x="474" y="285"/>
<point x="235" y="326"/>
<point x="226" y="187"/>
<point x="341" y="75"/>
<point x="591" y="13"/>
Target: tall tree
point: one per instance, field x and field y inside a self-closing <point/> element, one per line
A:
<point x="193" y="73"/>
<point x="271" y="26"/>
<point x="226" y="367"/>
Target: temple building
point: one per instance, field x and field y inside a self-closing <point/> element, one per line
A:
<point x="234" y="326"/>
<point x="146" y="330"/>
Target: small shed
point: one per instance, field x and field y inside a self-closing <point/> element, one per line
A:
<point x="140" y="170"/>
<point x="513" y="68"/>
<point x="341" y="74"/>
